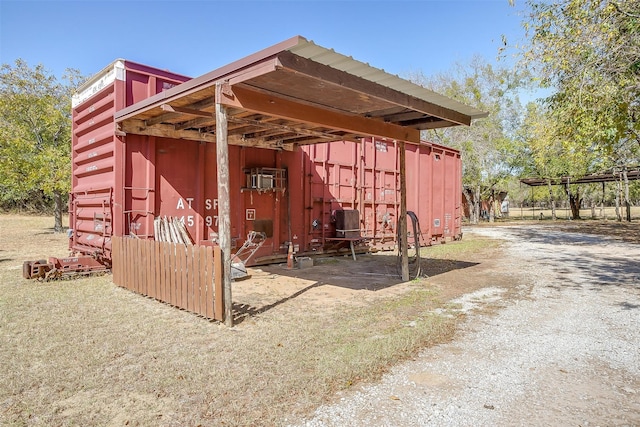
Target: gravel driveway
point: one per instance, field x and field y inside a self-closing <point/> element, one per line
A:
<point x="566" y="352"/>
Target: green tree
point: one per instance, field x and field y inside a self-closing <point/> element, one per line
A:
<point x="551" y="156"/>
<point x="491" y="151"/>
<point x="35" y="135"/>
<point x="588" y="51"/>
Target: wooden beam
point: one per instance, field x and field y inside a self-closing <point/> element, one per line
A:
<point x="200" y="122"/>
<point x="162" y="118"/>
<point x="203" y="103"/>
<point x="138" y="127"/>
<point x="224" y="205"/>
<point x="241" y="97"/>
<point x="169" y="115"/>
<point x="436" y="125"/>
<point x="185" y="110"/>
<point x="328" y="74"/>
<point x="293" y="129"/>
<point x="402" y="223"/>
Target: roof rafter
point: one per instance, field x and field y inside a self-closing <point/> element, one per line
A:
<point x="139" y="127"/>
<point x="254" y="101"/>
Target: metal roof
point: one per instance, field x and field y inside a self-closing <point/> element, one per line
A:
<point x="322" y="55"/>
<point x="633" y="174"/>
<point x="295" y="93"/>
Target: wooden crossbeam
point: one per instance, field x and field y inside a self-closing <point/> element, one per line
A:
<point x="139" y="127"/>
<point x="162" y="118"/>
<point x="278" y="107"/>
<point x="291" y="129"/>
<point x="200" y="122"/>
<point x="185" y="110"/>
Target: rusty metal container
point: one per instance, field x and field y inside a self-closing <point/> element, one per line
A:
<point x="302" y="198"/>
<point x="100" y="202"/>
<point x="366" y="177"/>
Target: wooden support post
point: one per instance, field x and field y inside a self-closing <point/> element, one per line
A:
<point x="224" y="210"/>
<point x="402" y="224"/>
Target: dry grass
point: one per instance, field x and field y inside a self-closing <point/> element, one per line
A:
<point x="85" y="352"/>
<point x="609" y="213"/>
<point x="466" y="249"/>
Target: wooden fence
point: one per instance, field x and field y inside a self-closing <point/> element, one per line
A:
<point x="185" y="276"/>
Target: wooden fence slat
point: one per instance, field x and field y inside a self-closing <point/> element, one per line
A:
<point x="131" y="253"/>
<point x="123" y="264"/>
<point x="185" y="276"/>
<point x="208" y="279"/>
<point x="147" y="268"/>
<point x="168" y="272"/>
<point x="178" y="275"/>
<point x="165" y="272"/>
<point x="160" y="249"/>
<point x="151" y="277"/>
<point x="188" y="271"/>
<point x="127" y="265"/>
<point x="135" y="264"/>
<point x="118" y="263"/>
<point x="127" y="271"/>
<point x="196" y="278"/>
<point x="156" y="266"/>
<point x="115" y="263"/>
<point x="139" y="266"/>
<point x="190" y="278"/>
<point x="202" y="291"/>
<point x="143" y="265"/>
<point x="181" y="276"/>
<point x="218" y="292"/>
<point x="167" y="269"/>
<point x="173" y="266"/>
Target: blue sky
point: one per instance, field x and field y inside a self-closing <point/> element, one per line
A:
<point x="194" y="37"/>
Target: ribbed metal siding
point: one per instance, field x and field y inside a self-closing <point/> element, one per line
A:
<point x="97" y="199"/>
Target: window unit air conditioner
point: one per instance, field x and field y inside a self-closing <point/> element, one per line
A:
<point x="262" y="181"/>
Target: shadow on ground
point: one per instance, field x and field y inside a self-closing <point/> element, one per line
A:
<point x="337" y="275"/>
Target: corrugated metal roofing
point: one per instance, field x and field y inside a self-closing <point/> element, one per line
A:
<point x="316" y="95"/>
<point x="309" y="50"/>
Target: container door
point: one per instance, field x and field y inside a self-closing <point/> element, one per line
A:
<point x="332" y="170"/>
<point x="263" y="198"/>
<point x="381" y="195"/>
<point x="438" y="192"/>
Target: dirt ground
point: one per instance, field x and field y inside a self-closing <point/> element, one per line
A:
<point x="138" y="373"/>
<point x="338" y="281"/>
<point x="553" y="342"/>
<point x="85" y="352"/>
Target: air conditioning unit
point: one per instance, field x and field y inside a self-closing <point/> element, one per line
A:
<point x="261" y="181"/>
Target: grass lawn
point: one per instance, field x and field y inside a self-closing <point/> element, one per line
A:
<point x="85" y="352"/>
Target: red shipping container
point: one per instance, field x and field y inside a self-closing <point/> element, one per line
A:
<point x="100" y="202"/>
<point x="121" y="183"/>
